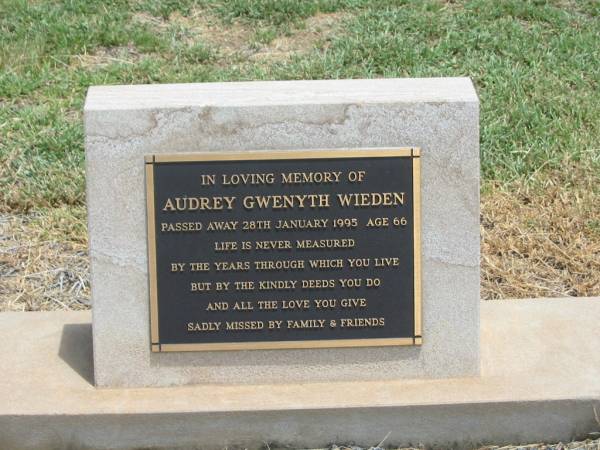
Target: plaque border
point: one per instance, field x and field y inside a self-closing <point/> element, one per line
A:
<point x="254" y="155"/>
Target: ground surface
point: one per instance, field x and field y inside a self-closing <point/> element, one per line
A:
<point x="535" y="65"/>
<point x="589" y="444"/>
<point x="576" y="445"/>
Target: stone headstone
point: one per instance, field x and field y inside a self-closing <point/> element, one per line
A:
<point x="146" y="146"/>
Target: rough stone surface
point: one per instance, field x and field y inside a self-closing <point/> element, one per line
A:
<point x="540" y="382"/>
<point x="123" y="123"/>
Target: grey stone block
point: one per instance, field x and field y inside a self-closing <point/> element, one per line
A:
<point x="123" y="123"/>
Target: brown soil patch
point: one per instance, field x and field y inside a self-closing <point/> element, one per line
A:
<point x="43" y="261"/>
<point x="202" y="27"/>
<point x="230" y="40"/>
<point x="239" y="38"/>
<point x="317" y="32"/>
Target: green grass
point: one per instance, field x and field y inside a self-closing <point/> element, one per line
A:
<point x="536" y="65"/>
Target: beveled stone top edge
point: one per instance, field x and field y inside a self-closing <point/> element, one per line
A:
<point x="277" y="93"/>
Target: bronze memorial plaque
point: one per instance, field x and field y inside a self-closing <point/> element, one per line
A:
<point x="268" y="250"/>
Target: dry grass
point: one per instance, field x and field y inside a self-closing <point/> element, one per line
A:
<point x="105" y="56"/>
<point x="588" y="444"/>
<point x="43" y="261"/>
<point x="239" y="40"/>
<point x="316" y="32"/>
<point x="542" y="240"/>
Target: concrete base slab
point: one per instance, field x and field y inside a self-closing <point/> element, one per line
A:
<point x="540" y="382"/>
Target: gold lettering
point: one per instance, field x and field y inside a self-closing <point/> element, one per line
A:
<point x="272" y="245"/>
<point x="247" y="179"/>
<point x="169" y="205"/>
<point x="198" y="203"/>
<point x="325" y="243"/>
<point x="308" y="323"/>
<point x="203" y="326"/>
<point x="245" y="325"/>
<point x="371" y="322"/>
<point x="281" y="285"/>
<point x="310" y="177"/>
<point x="276" y="202"/>
<point x="326" y="263"/>
<point x="280" y="264"/>
<point x="371" y="199"/>
<point x="231" y="266"/>
<point x="170" y="227"/>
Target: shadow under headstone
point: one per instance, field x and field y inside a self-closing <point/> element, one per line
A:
<point x="76" y="349"/>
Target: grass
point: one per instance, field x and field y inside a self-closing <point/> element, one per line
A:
<point x="534" y="63"/>
<point x="541" y="241"/>
<point x="43" y="261"/>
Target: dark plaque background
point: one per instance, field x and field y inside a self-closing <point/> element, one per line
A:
<point x="393" y="300"/>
